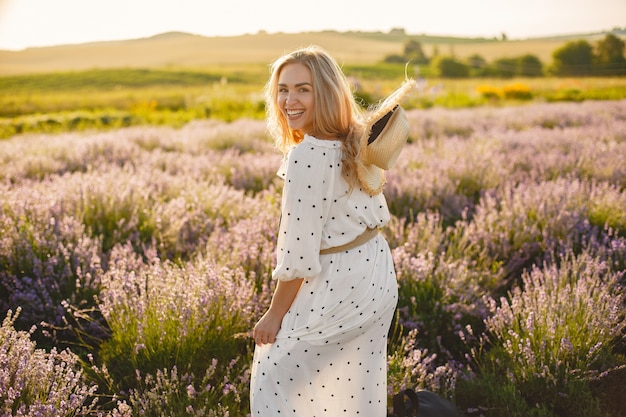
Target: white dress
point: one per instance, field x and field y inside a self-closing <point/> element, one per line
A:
<point x="329" y="358"/>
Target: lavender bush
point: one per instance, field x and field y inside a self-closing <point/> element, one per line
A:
<point x="148" y="252"/>
<point x="162" y="316"/>
<point x="440" y="291"/>
<point x="34" y="382"/>
<point x="553" y="335"/>
<point x="519" y="226"/>
<point x="45" y="257"/>
<point x="450" y="171"/>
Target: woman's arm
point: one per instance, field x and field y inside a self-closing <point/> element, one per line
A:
<point x="268" y="326"/>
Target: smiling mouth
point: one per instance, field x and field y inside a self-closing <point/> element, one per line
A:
<point x="294" y="113"/>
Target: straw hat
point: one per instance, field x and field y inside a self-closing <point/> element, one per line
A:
<point x="386" y="130"/>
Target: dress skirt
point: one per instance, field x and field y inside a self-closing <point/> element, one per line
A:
<point x="330" y="355"/>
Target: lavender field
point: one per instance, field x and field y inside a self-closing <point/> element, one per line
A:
<point x="133" y="262"/>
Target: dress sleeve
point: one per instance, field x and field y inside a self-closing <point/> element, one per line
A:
<point x="308" y="180"/>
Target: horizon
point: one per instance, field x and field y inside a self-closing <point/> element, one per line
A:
<point x="265" y="32"/>
<point x="260" y="32"/>
<point x="40" y="23"/>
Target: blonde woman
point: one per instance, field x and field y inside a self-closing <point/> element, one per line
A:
<point x="321" y="346"/>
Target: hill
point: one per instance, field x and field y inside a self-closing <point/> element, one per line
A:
<point x="183" y="50"/>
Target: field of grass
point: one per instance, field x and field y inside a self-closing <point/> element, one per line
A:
<point x="174" y="78"/>
<point x="105" y="99"/>
<point x="133" y="261"/>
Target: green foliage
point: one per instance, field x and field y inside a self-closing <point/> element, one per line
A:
<point x="413" y="52"/>
<point x="529" y="66"/>
<point x="104" y="99"/>
<point x="64" y="122"/>
<point x="172" y="320"/>
<point x="382" y="71"/>
<point x="116" y="217"/>
<point x="496" y="395"/>
<point x="505" y="67"/>
<point x="449" y="67"/>
<point x="526" y="66"/>
<point x="574" y="59"/>
<point x="609" y="56"/>
<point x="109" y="99"/>
<point x="107" y="79"/>
<point x="558" y="322"/>
<point x="577" y="94"/>
<point x="499" y="396"/>
<point x="152" y="112"/>
<point x="478" y="66"/>
<point x="456" y="100"/>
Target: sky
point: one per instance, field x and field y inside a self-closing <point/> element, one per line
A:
<point x="32" y="23"/>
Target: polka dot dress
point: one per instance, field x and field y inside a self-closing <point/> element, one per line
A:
<point x="329" y="358"/>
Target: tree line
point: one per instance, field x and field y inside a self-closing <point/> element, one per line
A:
<point x="574" y="59"/>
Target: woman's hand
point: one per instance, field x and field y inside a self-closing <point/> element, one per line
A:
<point x="267" y="328"/>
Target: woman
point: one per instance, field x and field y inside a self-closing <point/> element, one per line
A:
<point x="321" y="346"/>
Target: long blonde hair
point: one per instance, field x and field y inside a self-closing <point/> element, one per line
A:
<point x="337" y="114"/>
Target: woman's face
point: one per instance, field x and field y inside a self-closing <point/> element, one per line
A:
<point x="295" y="96"/>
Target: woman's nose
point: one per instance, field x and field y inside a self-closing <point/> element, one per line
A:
<point x="290" y="98"/>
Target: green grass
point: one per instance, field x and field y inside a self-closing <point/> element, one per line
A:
<point x="113" y="98"/>
<point x="105" y="80"/>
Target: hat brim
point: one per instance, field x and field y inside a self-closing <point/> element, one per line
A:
<point x="371" y="178"/>
<point x="385" y="132"/>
